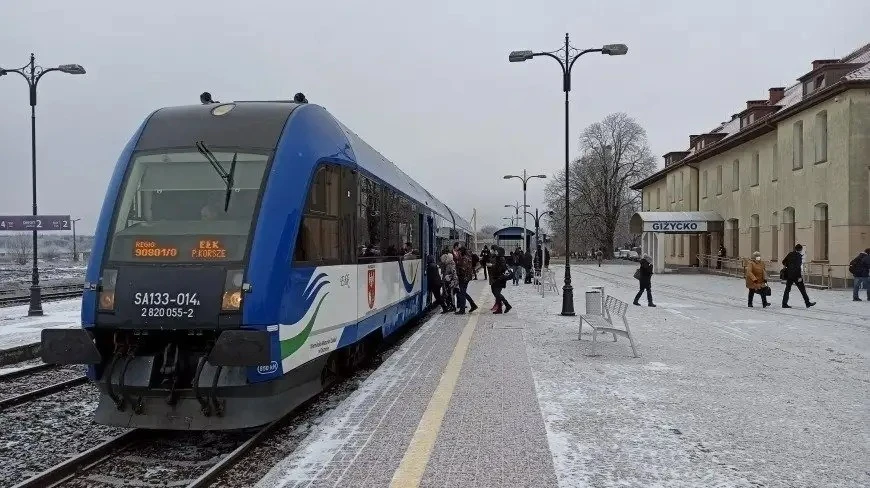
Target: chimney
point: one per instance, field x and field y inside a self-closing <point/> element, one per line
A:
<point x="820" y="62"/>
<point x="775" y="95"/>
<point x="753" y="103"/>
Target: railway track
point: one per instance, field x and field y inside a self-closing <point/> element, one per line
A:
<point x="50" y="292"/>
<point x="160" y="458"/>
<point x="37" y="381"/>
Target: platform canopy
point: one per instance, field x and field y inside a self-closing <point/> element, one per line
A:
<point x="677" y="222"/>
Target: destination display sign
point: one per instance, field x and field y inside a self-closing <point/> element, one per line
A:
<point x="34" y="222"/>
<point x="675" y="226"/>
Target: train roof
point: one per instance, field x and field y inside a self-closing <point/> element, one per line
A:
<point x="374" y="162"/>
<point x="263" y="122"/>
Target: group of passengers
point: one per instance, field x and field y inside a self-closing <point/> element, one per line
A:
<point x="449" y="276"/>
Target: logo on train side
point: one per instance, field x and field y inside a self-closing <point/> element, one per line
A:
<point x="271" y="368"/>
<point x="371" y="287"/>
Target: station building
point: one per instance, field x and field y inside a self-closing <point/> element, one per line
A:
<point x="791" y="168"/>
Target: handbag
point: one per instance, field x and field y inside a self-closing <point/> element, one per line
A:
<point x="783" y="274"/>
<point x="637" y="274"/>
<point x="765" y="291"/>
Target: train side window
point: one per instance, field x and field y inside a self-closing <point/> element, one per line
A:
<point x="370" y="207"/>
<point x="318" y="239"/>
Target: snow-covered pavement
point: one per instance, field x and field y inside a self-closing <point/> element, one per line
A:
<point x="17" y="329"/>
<point x="722" y="395"/>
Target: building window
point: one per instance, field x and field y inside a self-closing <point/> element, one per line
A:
<point x="735" y="177"/>
<point x="673" y="188"/>
<point x="704" y="184"/>
<point x="659" y="197"/>
<point x="680" y="190"/>
<point x="753" y="174"/>
<point x="774" y="165"/>
<point x="774" y="237"/>
<point x="754" y="233"/>
<point x="821" y="139"/>
<point x="788" y="228"/>
<point x="646" y="201"/>
<point x="797" y="145"/>
<point x="820" y="232"/>
<point x="719" y="179"/>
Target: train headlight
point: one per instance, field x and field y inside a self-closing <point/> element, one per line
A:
<point x="232" y="297"/>
<point x="107" y="289"/>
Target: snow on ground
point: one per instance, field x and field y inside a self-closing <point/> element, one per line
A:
<point x="722" y="395"/>
<point x="17" y="329"/>
<point x="18" y="276"/>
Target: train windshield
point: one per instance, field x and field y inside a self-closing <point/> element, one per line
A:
<point x="174" y="207"/>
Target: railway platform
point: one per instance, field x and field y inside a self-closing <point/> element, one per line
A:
<point x="19" y="334"/>
<point x="721" y="395"/>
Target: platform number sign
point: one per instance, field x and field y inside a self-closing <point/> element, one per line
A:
<point x="34" y="222"/>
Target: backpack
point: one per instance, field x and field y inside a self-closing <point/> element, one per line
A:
<point x="853" y="265"/>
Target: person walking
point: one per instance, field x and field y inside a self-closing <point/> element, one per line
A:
<point x="756" y="279"/>
<point x="433" y="279"/>
<point x="463" y="274"/>
<point x="449" y="279"/>
<point x="546" y="258"/>
<point x="500" y="274"/>
<point x="793" y="262"/>
<point x="514" y="262"/>
<point x="644" y="276"/>
<point x="484" y="261"/>
<point x="475" y="262"/>
<point x="538" y="263"/>
<point x="599" y="256"/>
<point x="492" y="278"/>
<point x="860" y="269"/>
<point x="721" y="255"/>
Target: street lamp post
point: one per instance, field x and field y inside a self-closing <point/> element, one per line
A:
<point x="525" y="179"/>
<point x="569" y="55"/>
<point x="516" y="211"/>
<point x="537" y="218"/>
<point x="32" y="74"/>
<point x="75" y="253"/>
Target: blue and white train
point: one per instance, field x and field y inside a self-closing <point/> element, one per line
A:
<point x="246" y="252"/>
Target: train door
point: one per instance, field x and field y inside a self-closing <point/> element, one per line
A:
<point x="428" y="250"/>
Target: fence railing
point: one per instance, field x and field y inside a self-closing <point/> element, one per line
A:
<point x="834" y="276"/>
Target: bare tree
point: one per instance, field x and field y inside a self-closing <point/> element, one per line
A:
<point x="486" y="231"/>
<point x="20" y="245"/>
<point x="616" y="155"/>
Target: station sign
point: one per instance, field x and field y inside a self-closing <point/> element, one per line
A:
<point x="675" y="226"/>
<point x="34" y="222"/>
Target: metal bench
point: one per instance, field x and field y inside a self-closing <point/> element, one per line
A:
<point x="547" y="281"/>
<point x="613" y="308"/>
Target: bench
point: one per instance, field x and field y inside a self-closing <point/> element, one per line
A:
<point x="547" y="281"/>
<point x="614" y="308"/>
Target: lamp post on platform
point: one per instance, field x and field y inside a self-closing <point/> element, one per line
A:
<point x="525" y="179"/>
<point x="32" y="74"/>
<point x="75" y="252"/>
<point x="537" y="218"/>
<point x="567" y="56"/>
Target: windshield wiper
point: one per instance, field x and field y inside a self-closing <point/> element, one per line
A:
<point x="228" y="177"/>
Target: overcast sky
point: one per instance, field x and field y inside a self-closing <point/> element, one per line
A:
<point x="426" y="83"/>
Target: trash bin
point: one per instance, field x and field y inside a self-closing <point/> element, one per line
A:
<point x="595" y="300"/>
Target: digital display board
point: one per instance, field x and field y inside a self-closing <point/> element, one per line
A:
<point x="151" y="249"/>
<point x="199" y="250"/>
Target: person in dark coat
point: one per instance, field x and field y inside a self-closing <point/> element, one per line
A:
<point x="528" y="262"/>
<point x="538" y="262"/>
<point x="546" y="258"/>
<point x="645" y="278"/>
<point x="464" y="273"/>
<point x="433" y="279"/>
<point x="860" y="267"/>
<point x="793" y="276"/>
<point x="484" y="261"/>
<point x="475" y="261"/>
<point x="499" y="276"/>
